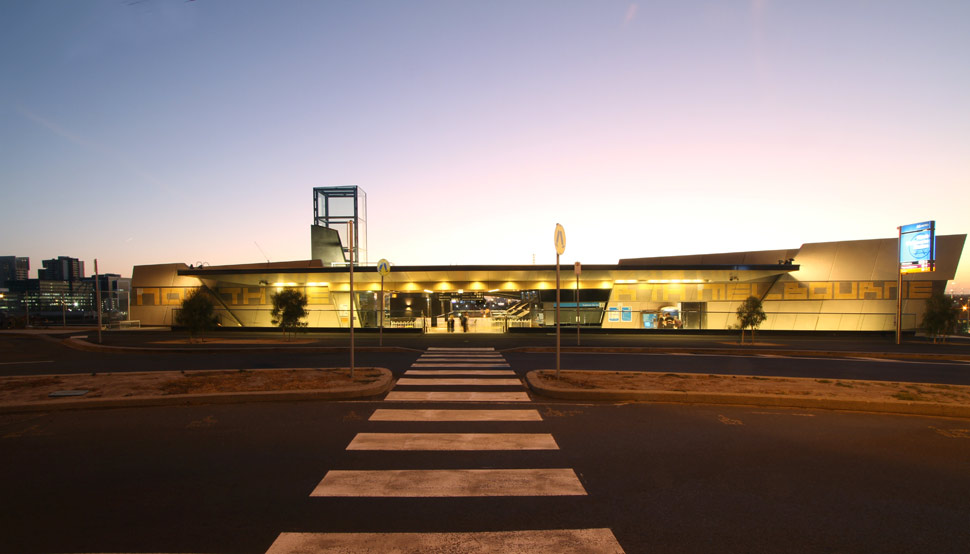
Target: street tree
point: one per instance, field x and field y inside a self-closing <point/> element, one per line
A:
<point x="197" y="313"/>
<point x="750" y="314"/>
<point x="289" y="307"/>
<point x="941" y="316"/>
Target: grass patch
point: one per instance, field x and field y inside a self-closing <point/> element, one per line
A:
<point x="841" y="384"/>
<point x="823" y="381"/>
<point x="905" y="396"/>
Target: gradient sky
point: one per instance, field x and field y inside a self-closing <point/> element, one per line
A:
<point x="154" y="131"/>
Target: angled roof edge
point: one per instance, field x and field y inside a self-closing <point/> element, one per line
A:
<point x="304" y="267"/>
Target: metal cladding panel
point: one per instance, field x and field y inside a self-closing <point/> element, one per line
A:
<point x="860" y="260"/>
<point x="161" y="275"/>
<point x="875" y="259"/>
<point x="756" y="257"/>
<point x="949" y="248"/>
<point x="325" y="245"/>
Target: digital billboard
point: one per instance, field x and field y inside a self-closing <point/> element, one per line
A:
<point x="917" y="247"/>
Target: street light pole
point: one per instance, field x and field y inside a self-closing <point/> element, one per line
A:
<point x="381" y="332"/>
<point x="578" y="270"/>
<point x="350" y="240"/>
<point x="97" y="294"/>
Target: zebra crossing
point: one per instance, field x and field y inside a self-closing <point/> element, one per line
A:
<point x="470" y="370"/>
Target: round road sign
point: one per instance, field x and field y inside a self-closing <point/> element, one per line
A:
<point x="384" y="267"/>
<point x="560" y="239"/>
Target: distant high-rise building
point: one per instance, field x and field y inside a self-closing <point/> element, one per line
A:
<point x="14" y="268"/>
<point x="62" y="268"/>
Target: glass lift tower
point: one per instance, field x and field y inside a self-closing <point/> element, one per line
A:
<point x="333" y="207"/>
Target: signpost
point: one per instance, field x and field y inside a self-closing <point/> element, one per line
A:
<point x="350" y="241"/>
<point x="578" y="269"/>
<point x="97" y="296"/>
<point x="917" y="254"/>
<point x="384" y="268"/>
<point x="560" y="241"/>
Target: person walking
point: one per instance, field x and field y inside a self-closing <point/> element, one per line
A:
<point x="464" y="323"/>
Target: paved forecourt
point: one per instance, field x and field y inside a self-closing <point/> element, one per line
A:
<point x="470" y="370"/>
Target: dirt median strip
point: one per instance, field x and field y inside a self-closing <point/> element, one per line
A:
<point x="743" y="351"/>
<point x="44" y="392"/>
<point x="226" y="346"/>
<point x="835" y="394"/>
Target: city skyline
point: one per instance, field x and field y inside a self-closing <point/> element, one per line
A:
<point x="165" y="131"/>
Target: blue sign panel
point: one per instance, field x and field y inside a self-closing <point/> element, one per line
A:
<point x="627" y="313"/>
<point x="917" y="247"/>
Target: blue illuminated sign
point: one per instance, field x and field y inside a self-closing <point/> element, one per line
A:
<point x="917" y="247"/>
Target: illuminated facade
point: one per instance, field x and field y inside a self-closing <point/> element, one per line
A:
<point x="843" y="286"/>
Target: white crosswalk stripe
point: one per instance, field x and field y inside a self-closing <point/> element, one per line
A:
<point x="453" y="441"/>
<point x="459" y="364"/>
<point x="459" y="372"/>
<point x="426" y="381"/>
<point x="454" y="415"/>
<point x="456" y="396"/>
<point x="555" y="541"/>
<point x="450" y="482"/>
<point x="469" y="369"/>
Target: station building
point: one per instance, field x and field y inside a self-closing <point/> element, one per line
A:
<point x="829" y="286"/>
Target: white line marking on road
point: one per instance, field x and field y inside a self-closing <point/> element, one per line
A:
<point x="553" y="541"/>
<point x="459" y="372"/>
<point x="455" y="415"/>
<point x="461" y="359"/>
<point x="433" y="359"/>
<point x="438" y="483"/>
<point x="458" y="396"/>
<point x="468" y="349"/>
<point x="453" y="441"/>
<point x="409" y="381"/>
<point x="419" y="364"/>
<point x="461" y="355"/>
<point x="33" y="362"/>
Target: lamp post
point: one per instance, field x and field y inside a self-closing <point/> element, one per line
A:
<point x="559" y="240"/>
<point x="578" y="268"/>
<point x="350" y="240"/>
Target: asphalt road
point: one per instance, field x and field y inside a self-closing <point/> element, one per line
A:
<point x="663" y="478"/>
<point x="34" y="355"/>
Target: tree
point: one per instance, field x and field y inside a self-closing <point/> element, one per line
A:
<point x="750" y="314"/>
<point x="289" y="307"/>
<point x="941" y="316"/>
<point x="197" y="313"/>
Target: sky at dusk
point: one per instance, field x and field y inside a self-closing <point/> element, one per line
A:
<point x="156" y="131"/>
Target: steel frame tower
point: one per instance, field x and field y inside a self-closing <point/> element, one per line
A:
<point x="333" y="207"/>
